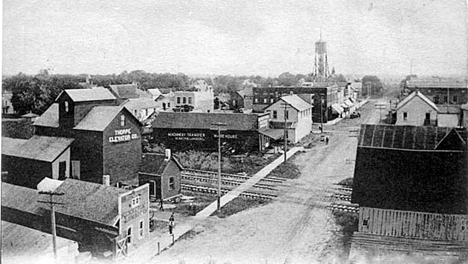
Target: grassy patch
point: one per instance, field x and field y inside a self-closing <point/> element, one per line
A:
<point x="348" y="223"/>
<point x="239" y="204"/>
<point x="17" y="129"/>
<point x="287" y="170"/>
<point x="201" y="201"/>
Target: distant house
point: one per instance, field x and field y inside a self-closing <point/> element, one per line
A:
<point x="141" y="108"/>
<point x="29" y="161"/>
<point x="412" y="168"/>
<point x="416" y="110"/>
<point x="295" y="113"/>
<point x="7" y="106"/>
<point x="162" y="172"/>
<point x="199" y="96"/>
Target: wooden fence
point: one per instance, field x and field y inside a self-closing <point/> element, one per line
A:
<point x="408" y="224"/>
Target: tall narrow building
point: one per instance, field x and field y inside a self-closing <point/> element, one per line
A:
<point x="321" y="63"/>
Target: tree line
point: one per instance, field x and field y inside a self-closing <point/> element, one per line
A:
<point x="35" y="93"/>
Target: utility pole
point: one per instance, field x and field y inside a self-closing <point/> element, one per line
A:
<point x="285" y="105"/>
<point x="219" y="125"/>
<point x="321" y="115"/>
<point x="51" y="203"/>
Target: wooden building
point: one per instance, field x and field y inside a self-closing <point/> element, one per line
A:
<point x="107" y="138"/>
<point x="185" y="131"/>
<point x="103" y="219"/>
<point x="27" y="162"/>
<point x="416" y="110"/>
<point x="162" y="173"/>
<point x="293" y="112"/>
<point x="413" y="168"/>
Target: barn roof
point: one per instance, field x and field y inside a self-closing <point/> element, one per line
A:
<point x="296" y="102"/>
<point x="193" y="120"/>
<point x="39" y="148"/>
<point x="405" y="137"/>
<point x="155" y="163"/>
<point x="50" y="118"/>
<point x="95" y="94"/>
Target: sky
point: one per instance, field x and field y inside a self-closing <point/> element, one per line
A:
<point x="236" y="37"/>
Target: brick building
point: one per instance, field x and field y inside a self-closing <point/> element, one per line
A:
<point x="107" y="138"/>
<point x="442" y="91"/>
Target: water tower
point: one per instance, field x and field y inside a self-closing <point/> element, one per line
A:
<point x="321" y="63"/>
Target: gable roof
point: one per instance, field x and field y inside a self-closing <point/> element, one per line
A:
<point x="295" y="102"/>
<point x="100" y="117"/>
<point x="403" y="137"/>
<point x="193" y="120"/>
<point x="154" y="92"/>
<point x="40" y="148"/>
<point x="155" y="163"/>
<point x="125" y="90"/>
<point x="50" y="118"/>
<point x="420" y="95"/>
<point x="91" y="201"/>
<point x="139" y="103"/>
<point x="83" y="95"/>
<point x="11" y="144"/>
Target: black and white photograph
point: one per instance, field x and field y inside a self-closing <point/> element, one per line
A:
<point x="234" y="132"/>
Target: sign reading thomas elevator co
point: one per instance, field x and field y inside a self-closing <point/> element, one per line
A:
<point x="123" y="135"/>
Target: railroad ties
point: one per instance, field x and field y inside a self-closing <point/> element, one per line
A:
<point x="342" y="200"/>
<point x="206" y="182"/>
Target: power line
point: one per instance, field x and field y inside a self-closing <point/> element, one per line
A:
<point x="52" y="204"/>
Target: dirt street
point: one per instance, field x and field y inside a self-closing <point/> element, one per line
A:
<point x="296" y="227"/>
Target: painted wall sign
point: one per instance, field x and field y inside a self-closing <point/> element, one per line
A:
<point x="134" y="213"/>
<point x="187" y="136"/>
<point x="123" y="135"/>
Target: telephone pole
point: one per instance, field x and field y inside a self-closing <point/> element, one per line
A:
<point x="52" y="204"/>
<point x="285" y="105"/>
<point x="219" y="125"/>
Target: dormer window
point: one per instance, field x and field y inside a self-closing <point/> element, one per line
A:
<point x="122" y="120"/>
<point x="66" y="107"/>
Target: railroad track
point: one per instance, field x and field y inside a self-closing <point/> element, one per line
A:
<point x="228" y="179"/>
<point x="353" y="208"/>
<point x="205" y="189"/>
<point x="225" y="182"/>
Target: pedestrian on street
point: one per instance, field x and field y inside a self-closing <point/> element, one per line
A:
<point x="321" y="129"/>
<point x="326" y="140"/>
<point x="161" y="205"/>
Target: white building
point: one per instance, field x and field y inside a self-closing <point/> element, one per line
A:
<point x="199" y="96"/>
<point x="416" y="110"/>
<point x="297" y="116"/>
<point x="141" y="108"/>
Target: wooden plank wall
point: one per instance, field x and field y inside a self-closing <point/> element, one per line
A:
<point x="409" y="224"/>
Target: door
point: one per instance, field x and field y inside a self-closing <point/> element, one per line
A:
<point x="62" y="170"/>
<point x="75" y="169"/>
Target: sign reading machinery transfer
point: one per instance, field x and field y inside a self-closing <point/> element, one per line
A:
<point x="123" y="135"/>
<point x="184" y="136"/>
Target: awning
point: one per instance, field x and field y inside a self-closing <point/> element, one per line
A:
<point x="337" y="108"/>
<point x="272" y="133"/>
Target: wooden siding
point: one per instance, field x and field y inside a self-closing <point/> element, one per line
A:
<point x="409" y="224"/>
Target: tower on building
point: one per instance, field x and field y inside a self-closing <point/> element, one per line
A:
<point x="321" y="63"/>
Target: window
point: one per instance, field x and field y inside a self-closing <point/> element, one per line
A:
<point x="66" y="107"/>
<point x="256" y="100"/>
<point x="275" y="114"/>
<point x="122" y="120"/>
<point x="455" y="99"/>
<point x="405" y="116"/>
<point x="129" y="235"/>
<point x="190" y="100"/>
<point x="445" y="99"/>
<point x="171" y="183"/>
<point x="135" y="112"/>
<point x="286" y="114"/>
<point x="178" y="100"/>
<point x="265" y="100"/>
<point x="184" y="100"/>
<point x="141" y="233"/>
<point x="168" y="104"/>
<point x="272" y="100"/>
<point x="164" y="106"/>
<point x="428" y="116"/>
<point x="135" y="202"/>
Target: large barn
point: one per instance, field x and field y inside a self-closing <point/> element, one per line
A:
<point x="413" y="168"/>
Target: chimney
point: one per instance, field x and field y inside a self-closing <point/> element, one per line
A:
<point x="167" y="154"/>
<point x="106" y="180"/>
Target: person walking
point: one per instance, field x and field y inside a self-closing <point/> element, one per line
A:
<point x="171" y="223"/>
<point x="327" y="139"/>
<point x="161" y="205"/>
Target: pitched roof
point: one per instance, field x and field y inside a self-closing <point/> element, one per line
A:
<point x="139" y="103"/>
<point x="295" y="102"/>
<point x="436" y="83"/>
<point x="154" y="92"/>
<point x="50" y="118"/>
<point x="40" y="148"/>
<point x="95" y="94"/>
<point x="193" y="120"/>
<point x="91" y="201"/>
<point x="11" y="144"/>
<point x="125" y="90"/>
<point x="403" y="137"/>
<point x="98" y="118"/>
<point x="420" y="95"/>
<point x="155" y="163"/>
